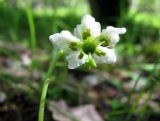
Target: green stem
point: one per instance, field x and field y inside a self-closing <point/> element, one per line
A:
<point x="31" y="26"/>
<point x="45" y="86"/>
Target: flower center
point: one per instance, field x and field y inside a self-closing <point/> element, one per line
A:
<point x="104" y="40"/>
<point x="89" y="45"/>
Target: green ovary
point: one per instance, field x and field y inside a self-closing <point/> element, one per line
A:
<point x="89" y="45"/>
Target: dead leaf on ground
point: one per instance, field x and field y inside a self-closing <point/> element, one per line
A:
<point x="62" y="112"/>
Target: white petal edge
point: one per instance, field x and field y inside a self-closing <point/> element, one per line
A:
<point x="62" y="40"/>
<point x="77" y="31"/>
<point x="88" y="22"/>
<point x="111" y="29"/>
<point x="113" y="33"/>
<point x="74" y="61"/>
<point x="109" y="57"/>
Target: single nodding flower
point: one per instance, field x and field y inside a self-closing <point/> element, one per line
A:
<point x="88" y="45"/>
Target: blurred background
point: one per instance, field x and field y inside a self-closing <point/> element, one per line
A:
<point x="126" y="91"/>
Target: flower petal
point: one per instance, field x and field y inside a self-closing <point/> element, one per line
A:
<point x="74" y="61"/>
<point x="109" y="57"/>
<point x="63" y="39"/>
<point x="88" y="22"/>
<point x="113" y="33"/>
<point x="112" y="29"/>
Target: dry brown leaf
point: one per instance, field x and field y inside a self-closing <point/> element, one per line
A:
<point x="62" y="112"/>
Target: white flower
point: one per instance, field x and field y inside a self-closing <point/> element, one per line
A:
<point x="88" y="45"/>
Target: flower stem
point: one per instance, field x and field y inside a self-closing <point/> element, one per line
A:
<point x="45" y="86"/>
